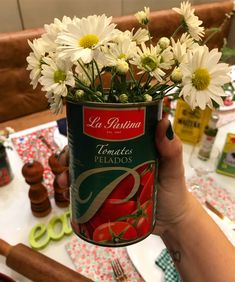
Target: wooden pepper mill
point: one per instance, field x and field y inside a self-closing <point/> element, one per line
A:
<point x="59" y="193"/>
<point x="38" y="195"/>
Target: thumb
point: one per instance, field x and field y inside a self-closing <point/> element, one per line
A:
<point x="169" y="149"/>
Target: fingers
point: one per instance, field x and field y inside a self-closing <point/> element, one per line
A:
<point x="63" y="178"/>
<point x="64" y="156"/>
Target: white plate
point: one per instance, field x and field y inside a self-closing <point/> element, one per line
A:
<point x="144" y="253"/>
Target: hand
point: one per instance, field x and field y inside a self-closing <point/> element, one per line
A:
<point x="173" y="197"/>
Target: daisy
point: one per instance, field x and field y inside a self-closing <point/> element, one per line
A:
<point x="125" y="50"/>
<point x="187" y="40"/>
<point x="203" y="78"/>
<point x="179" y="51"/>
<point x="140" y="36"/>
<point x="148" y="60"/>
<point x="191" y="21"/>
<point x="56" y="75"/>
<point x="35" y="59"/>
<point x="56" y="102"/>
<point x="143" y="16"/>
<point x="166" y="59"/>
<point x="83" y="38"/>
<point x="52" y="31"/>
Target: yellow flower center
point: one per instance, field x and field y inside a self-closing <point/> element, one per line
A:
<point x="149" y="63"/>
<point x="201" y="79"/>
<point x="122" y="56"/>
<point x="88" y="40"/>
<point x="59" y="76"/>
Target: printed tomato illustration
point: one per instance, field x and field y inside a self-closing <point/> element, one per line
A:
<point x="123" y="189"/>
<point x="111" y="210"/>
<point x="115" y="232"/>
<point x="142" y="218"/>
<point x="147" y="184"/>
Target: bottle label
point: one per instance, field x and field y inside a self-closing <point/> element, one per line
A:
<point x="206" y="146"/>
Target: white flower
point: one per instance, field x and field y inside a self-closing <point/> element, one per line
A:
<point x="56" y="102"/>
<point x="35" y="59"/>
<point x="166" y="60"/>
<point x="143" y="16"/>
<point x="140" y="36"/>
<point x="190" y="20"/>
<point x="187" y="40"/>
<point x="125" y="50"/>
<point x="148" y="60"/>
<point x="83" y="38"/>
<point x="179" y="51"/>
<point x="203" y="77"/>
<point x="83" y="57"/>
<point x="56" y="75"/>
<point x="52" y="31"/>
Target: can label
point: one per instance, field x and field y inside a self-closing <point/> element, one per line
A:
<point x="113" y="125"/>
<point x="113" y="172"/>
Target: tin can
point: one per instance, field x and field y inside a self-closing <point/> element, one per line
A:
<point x="5" y="170"/>
<point x="113" y="170"/>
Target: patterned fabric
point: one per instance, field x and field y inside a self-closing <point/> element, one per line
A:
<point x="30" y="146"/>
<point x="165" y="262"/>
<point x="216" y="195"/>
<point x="95" y="262"/>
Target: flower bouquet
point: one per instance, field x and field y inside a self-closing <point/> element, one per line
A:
<point x="113" y="83"/>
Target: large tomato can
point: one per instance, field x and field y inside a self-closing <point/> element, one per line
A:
<point x="113" y="171"/>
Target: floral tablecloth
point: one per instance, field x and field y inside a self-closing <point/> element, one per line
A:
<point x="90" y="260"/>
<point x="95" y="262"/>
<point x="215" y="194"/>
<point x="31" y="146"/>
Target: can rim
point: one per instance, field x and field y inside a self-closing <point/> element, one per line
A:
<point x="115" y="105"/>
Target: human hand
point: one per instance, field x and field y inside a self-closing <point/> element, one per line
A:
<point x="173" y="197"/>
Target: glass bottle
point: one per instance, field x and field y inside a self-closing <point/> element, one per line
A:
<point x="208" y="137"/>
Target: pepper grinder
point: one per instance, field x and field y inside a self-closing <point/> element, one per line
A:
<point x="59" y="193"/>
<point x="38" y="195"/>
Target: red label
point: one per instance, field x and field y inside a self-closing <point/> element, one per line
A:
<point x="113" y="124"/>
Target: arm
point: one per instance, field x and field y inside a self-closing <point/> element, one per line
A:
<point x="199" y="248"/>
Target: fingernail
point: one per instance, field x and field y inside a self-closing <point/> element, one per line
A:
<point x="169" y="132"/>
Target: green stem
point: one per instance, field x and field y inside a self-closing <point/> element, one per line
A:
<point x="84" y="87"/>
<point x="85" y="71"/>
<point x="177" y="30"/>
<point x="99" y="75"/>
<point x="214" y="31"/>
<point x="93" y="74"/>
<point x="123" y="83"/>
<point x="132" y="76"/>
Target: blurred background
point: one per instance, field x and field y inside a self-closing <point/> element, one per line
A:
<point x="17" y="15"/>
